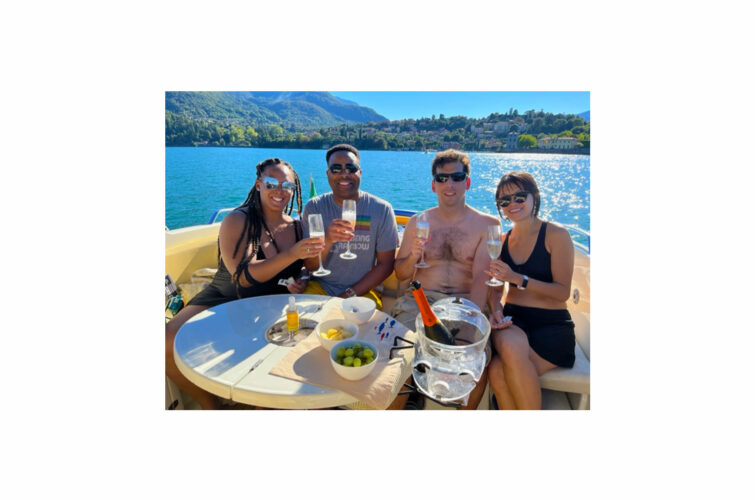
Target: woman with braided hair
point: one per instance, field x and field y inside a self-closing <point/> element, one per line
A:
<point x="259" y="243"/>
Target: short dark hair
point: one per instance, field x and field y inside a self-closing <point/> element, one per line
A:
<point x="523" y="181"/>
<point x="450" y="156"/>
<point x="341" y="147"/>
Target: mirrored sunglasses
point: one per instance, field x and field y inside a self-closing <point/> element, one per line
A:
<point x="505" y="200"/>
<point x="456" y="177"/>
<point x="350" y="168"/>
<point x="271" y="183"/>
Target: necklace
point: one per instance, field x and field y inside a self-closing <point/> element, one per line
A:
<point x="270" y="235"/>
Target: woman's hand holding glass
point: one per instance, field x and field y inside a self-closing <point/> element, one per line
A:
<point x="307" y="248"/>
<point x="501" y="271"/>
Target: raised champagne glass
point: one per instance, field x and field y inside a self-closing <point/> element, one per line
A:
<point x="495" y="243"/>
<point x="317" y="230"/>
<point x="349" y="214"/>
<point x="423" y="232"/>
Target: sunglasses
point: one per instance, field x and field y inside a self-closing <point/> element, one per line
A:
<point x="271" y="184"/>
<point x="456" y="177"/>
<point x="506" y="199"/>
<point x="337" y="168"/>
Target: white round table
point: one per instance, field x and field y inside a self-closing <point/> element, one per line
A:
<point x="224" y="351"/>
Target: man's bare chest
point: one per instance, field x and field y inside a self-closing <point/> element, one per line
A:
<point x="452" y="244"/>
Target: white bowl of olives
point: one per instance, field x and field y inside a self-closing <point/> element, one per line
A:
<point x="353" y="359"/>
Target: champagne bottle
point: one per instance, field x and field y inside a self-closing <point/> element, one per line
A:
<point x="434" y="329"/>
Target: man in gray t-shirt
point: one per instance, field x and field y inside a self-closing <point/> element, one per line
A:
<point x="374" y="238"/>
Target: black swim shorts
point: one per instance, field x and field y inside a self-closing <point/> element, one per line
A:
<point x="550" y="332"/>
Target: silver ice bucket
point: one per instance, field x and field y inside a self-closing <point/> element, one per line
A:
<point x="448" y="373"/>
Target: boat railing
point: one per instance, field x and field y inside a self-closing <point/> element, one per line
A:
<point x="581" y="246"/>
<point x="217" y="213"/>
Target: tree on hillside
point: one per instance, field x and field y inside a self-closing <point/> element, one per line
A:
<point x="275" y="131"/>
<point x="526" y="141"/>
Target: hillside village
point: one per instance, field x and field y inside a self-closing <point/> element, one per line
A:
<point x="509" y="132"/>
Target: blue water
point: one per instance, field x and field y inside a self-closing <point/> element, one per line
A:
<point x="199" y="181"/>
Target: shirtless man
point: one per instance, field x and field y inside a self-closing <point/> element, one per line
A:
<point x="456" y="248"/>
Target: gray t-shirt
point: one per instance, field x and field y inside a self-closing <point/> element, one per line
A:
<point x="375" y="231"/>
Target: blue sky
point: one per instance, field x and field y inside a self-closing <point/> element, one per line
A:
<point x="400" y="105"/>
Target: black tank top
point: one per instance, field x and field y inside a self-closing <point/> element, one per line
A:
<point x="538" y="265"/>
<point x="223" y="280"/>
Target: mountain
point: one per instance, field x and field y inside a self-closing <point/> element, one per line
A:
<point x="585" y="115"/>
<point x="302" y="110"/>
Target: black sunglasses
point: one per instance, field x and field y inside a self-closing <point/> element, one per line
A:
<point x="271" y="183"/>
<point x="506" y="199"/>
<point x="456" y="177"/>
<point x="350" y="168"/>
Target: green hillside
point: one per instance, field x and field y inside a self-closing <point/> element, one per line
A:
<point x="290" y="110"/>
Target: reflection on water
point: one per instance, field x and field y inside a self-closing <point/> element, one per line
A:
<point x="201" y="180"/>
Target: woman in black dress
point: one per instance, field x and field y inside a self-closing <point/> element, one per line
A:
<point x="537" y="260"/>
<point x="258" y="244"/>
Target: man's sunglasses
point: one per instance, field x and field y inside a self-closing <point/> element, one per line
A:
<point x="456" y="177"/>
<point x="271" y="183"/>
<point x="337" y="169"/>
<point x="506" y="199"/>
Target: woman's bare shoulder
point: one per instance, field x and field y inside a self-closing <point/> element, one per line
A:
<point x="556" y="233"/>
<point x="233" y="224"/>
<point x="556" y="229"/>
<point x="237" y="216"/>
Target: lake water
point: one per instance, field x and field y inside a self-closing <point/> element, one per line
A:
<point x="198" y="181"/>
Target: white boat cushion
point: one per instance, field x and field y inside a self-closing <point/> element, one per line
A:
<point x="574" y="379"/>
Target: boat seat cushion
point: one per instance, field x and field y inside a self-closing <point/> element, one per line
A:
<point x="199" y="280"/>
<point x="575" y="379"/>
<point x="203" y="275"/>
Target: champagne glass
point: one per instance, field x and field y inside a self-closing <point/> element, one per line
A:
<point x="423" y="232"/>
<point x="317" y="230"/>
<point x="349" y="214"/>
<point x="495" y="244"/>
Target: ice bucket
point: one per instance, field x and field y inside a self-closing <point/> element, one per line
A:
<point x="448" y="373"/>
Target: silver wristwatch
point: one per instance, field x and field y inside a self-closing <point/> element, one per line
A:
<point x="350" y="292"/>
